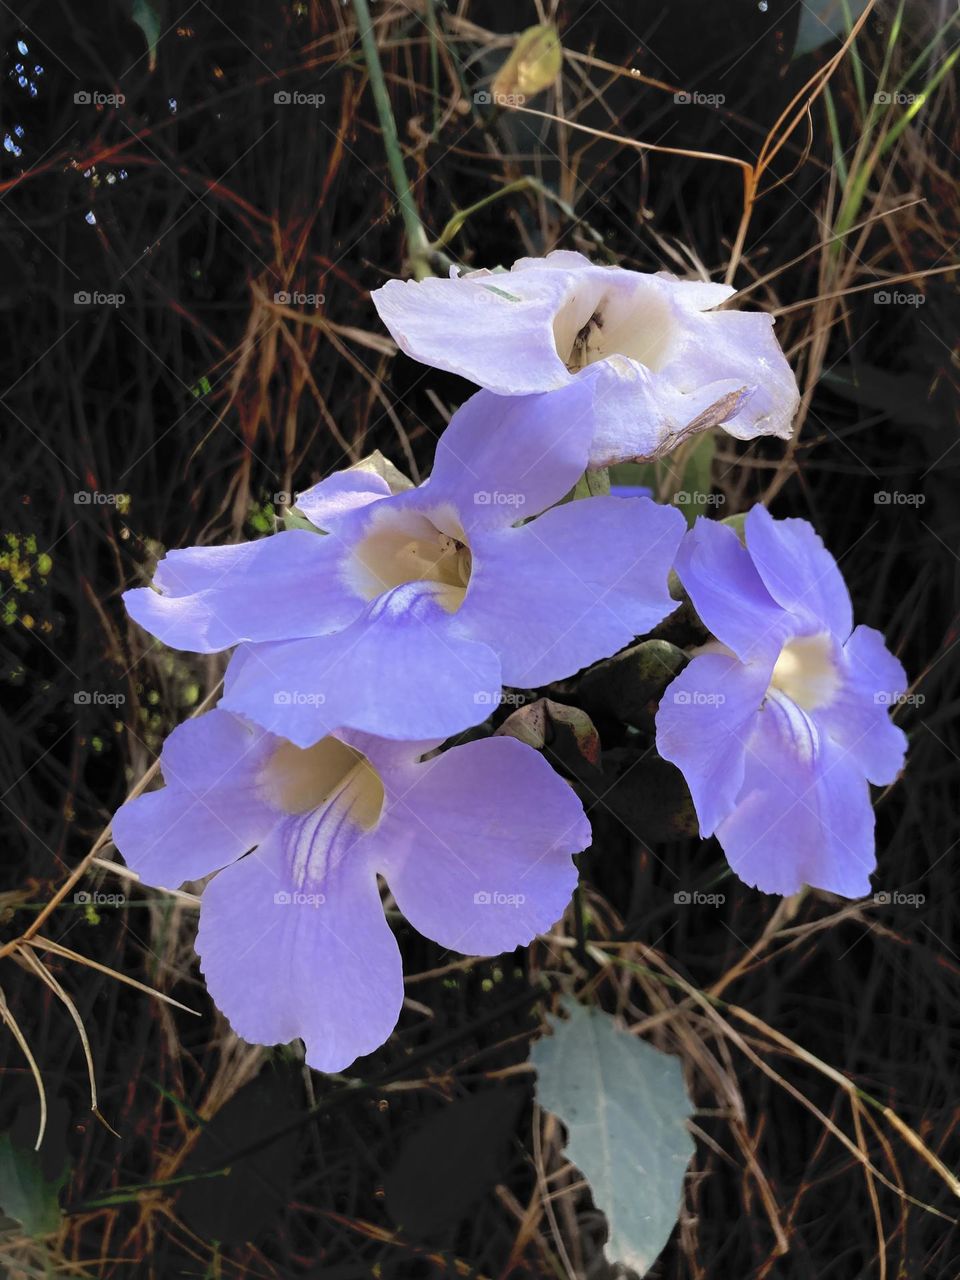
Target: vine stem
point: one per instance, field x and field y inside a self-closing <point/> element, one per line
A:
<point x="417" y="243"/>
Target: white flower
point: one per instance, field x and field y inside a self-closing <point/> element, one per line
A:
<point x="672" y="366"/>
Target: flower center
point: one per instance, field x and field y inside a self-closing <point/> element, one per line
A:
<point x="594" y="324"/>
<point x="806" y="672"/>
<point x="299" y="780"/>
<point x="408" y="547"/>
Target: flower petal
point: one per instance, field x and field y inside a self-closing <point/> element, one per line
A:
<point x="503" y="458"/>
<point x="279" y="587"/>
<point x="799" y="572"/>
<point x="804" y="815"/>
<point x="478" y="847"/>
<point x="704" y="722"/>
<point x="572" y="586"/>
<point x="674" y="365"/>
<point x="494" y="328"/>
<point x="339" y="494"/>
<point x="740" y="347"/>
<point x="639" y="415"/>
<point x="286" y="956"/>
<point x="728" y="594"/>
<point x="209" y="813"/>
<point x="400" y="671"/>
<point x="858" y="718"/>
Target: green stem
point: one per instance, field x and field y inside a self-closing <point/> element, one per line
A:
<point x="417" y="244"/>
<point x="456" y="223"/>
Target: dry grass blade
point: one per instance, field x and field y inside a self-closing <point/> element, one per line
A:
<point x="42" y="972"/>
<point x="57" y="949"/>
<point x="21" y="1040"/>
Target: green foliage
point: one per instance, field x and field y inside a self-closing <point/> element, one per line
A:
<point x="26" y="1193"/>
<point x="625" y="1109"/>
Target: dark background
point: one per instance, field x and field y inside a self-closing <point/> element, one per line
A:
<point x="191" y="403"/>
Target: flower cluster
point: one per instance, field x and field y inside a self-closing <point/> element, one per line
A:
<point x="780" y="722"/>
<point x="391" y="618"/>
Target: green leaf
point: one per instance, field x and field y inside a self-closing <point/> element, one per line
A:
<point x="26" y="1193"/>
<point x="452" y="1160"/>
<point x="381" y="466"/>
<point x="148" y="20"/>
<point x="738" y="524"/>
<point x="593" y="484"/>
<point x="294" y="519"/>
<point x="567" y="731"/>
<point x="250" y="1197"/>
<point x="376" y="464"/>
<point x="634" y="475"/>
<point x="823" y="20"/>
<point x="629" y="686"/>
<point x="694" y="492"/>
<point x="649" y="796"/>
<point x="625" y="1109"/>
<point x="533" y="66"/>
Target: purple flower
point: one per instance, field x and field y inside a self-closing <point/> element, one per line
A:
<point x="408" y="616"/>
<point x="669" y="365"/>
<point x="780" y="723"/>
<point x="475" y="845"/>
